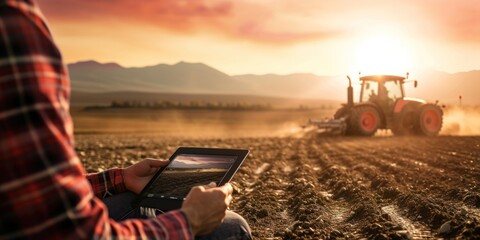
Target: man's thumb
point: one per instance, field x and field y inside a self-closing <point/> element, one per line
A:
<point x="156" y="163"/>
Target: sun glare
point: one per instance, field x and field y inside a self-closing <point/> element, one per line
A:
<point x="383" y="54"/>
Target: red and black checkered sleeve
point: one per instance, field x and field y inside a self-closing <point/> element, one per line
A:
<point x="43" y="189"/>
<point x="107" y="183"/>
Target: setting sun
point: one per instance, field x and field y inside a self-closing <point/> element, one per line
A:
<point x="384" y="53"/>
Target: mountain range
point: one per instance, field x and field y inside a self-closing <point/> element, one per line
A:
<point x="109" y="80"/>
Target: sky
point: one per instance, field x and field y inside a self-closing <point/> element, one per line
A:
<point x="196" y="161"/>
<point x="328" y="37"/>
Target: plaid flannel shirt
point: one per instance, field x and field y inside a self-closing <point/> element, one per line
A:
<point x="44" y="192"/>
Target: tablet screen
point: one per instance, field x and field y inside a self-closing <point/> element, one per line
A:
<point x="188" y="170"/>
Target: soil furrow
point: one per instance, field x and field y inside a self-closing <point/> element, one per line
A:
<point x="413" y="230"/>
<point x="329" y="215"/>
<point x="263" y="183"/>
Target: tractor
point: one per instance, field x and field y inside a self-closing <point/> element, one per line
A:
<point x="383" y="105"/>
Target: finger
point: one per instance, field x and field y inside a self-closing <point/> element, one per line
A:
<point x="228" y="200"/>
<point x="156" y="163"/>
<point x="210" y="185"/>
<point x="227" y="188"/>
<point x="196" y="190"/>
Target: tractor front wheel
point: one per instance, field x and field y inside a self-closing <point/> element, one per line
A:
<point x="405" y="122"/>
<point x="364" y="121"/>
<point x="429" y="120"/>
<point x="342" y="112"/>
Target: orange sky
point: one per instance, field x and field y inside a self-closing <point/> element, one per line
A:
<point x="328" y="37"/>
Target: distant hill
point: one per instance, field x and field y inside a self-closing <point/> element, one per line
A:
<point x="91" y="76"/>
<point x="198" y="78"/>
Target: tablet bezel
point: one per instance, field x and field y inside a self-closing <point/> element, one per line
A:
<point x="241" y="154"/>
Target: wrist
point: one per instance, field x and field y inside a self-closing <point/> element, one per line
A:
<point x="189" y="215"/>
<point x="118" y="179"/>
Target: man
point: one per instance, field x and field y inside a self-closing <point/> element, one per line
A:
<point x="44" y="192"/>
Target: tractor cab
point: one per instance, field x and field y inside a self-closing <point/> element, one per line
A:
<point x="381" y="86"/>
<point x="382" y="90"/>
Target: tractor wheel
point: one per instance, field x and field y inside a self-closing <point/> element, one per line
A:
<point x="429" y="122"/>
<point x="405" y="123"/>
<point x="364" y="121"/>
<point x="341" y="112"/>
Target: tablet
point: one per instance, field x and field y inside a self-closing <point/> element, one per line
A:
<point x="189" y="167"/>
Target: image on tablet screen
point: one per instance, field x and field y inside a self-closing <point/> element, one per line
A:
<point x="189" y="170"/>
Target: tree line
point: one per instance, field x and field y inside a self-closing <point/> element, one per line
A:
<point x="188" y="105"/>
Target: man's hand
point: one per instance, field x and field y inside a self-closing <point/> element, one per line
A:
<point x="206" y="206"/>
<point x="138" y="175"/>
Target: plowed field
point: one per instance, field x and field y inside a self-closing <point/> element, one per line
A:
<point x="333" y="187"/>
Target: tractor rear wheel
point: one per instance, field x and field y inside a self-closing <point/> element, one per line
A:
<point x="429" y="122"/>
<point x="364" y="121"/>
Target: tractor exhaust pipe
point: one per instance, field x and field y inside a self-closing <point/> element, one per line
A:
<point x="349" y="93"/>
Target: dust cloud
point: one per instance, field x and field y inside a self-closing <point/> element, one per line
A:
<point x="293" y="129"/>
<point x="461" y="121"/>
